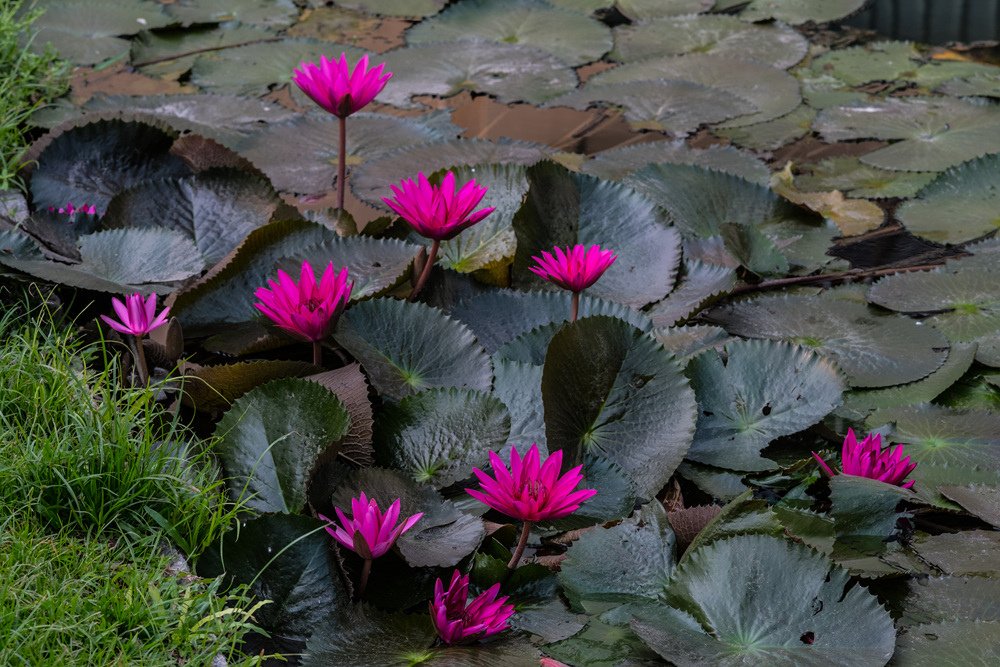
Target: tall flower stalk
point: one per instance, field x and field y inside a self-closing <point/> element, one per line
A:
<point x="438" y="212"/>
<point x="338" y="89"/>
<point x="531" y="491"/>
<point x="137" y="317"/>
<point x="574" y="269"/>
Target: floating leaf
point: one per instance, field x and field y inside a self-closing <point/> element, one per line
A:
<point x="519" y="386"/>
<point x="631" y="560"/>
<point x="94" y="162"/>
<point x="969" y="298"/>
<point x="877" y="61"/>
<point x="403" y="8"/>
<point x="438" y="436"/>
<point x="137" y="256"/>
<point x="499" y="316"/>
<point x="773" y="92"/>
<point x="776" y="45"/>
<point x="171" y="53"/>
<point x="285" y="559"/>
<point x="88" y="31"/>
<point x="602" y="644"/>
<point x="268" y="13"/>
<point x="936" y="599"/>
<point x="701" y="283"/>
<point x="573" y="38"/>
<point x="371" y="180"/>
<point x="216" y="209"/>
<point x="766" y="600"/>
<point x="959" y="206"/>
<point x="645" y="10"/>
<point x="857" y="179"/>
<point x="797" y="11"/>
<point x="564" y="208"/>
<point x="677" y="107"/>
<point x="873" y="350"/>
<point x="970" y="552"/>
<point x="772" y="134"/>
<point x="208" y="388"/>
<point x="617" y="163"/>
<point x="610" y="390"/>
<point x="272" y="438"/>
<point x="852" y="216"/>
<point x="442" y="537"/>
<point x="935" y="133"/>
<point x="754" y="393"/>
<point x="688" y="341"/>
<point x="509" y="72"/>
<point x="408" y="347"/>
<point x="961" y="643"/>
<point x="981" y="501"/>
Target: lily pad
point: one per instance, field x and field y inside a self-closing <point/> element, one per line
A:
<point x="409" y="347"/>
<point x="272" y="438"/>
<point x="89" y="31"/>
<point x="775" y="44"/>
<point x="981" y="501"/>
<point x="936" y="599"/>
<point x="137" y="256"/>
<point x="960" y="642"/>
<point x="573" y="38"/>
<point x="857" y="179"/>
<point x="267" y="13"/>
<point x="169" y="54"/>
<point x="933" y="133"/>
<point x="877" y="61"/>
<point x="969" y="552"/>
<point x="646" y="10"/>
<point x="772" y="134"/>
<point x="402" y="8"/>
<point x="438" y="436"/>
<point x="766" y="600"/>
<point x="700" y="284"/>
<point x="797" y="11"/>
<point x="689" y="341"/>
<point x="519" y="386"/>
<point x="773" y="92"/>
<point x="617" y="163"/>
<point x="969" y="299"/>
<point x="509" y="72"/>
<point x="872" y="350"/>
<point x="94" y="162"/>
<point x="208" y="388"/>
<point x="564" y="208"/>
<point x="612" y="391"/>
<point x="754" y="393"/>
<point x="959" y="206"/>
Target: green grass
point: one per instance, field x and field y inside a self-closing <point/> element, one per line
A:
<point x="27" y="80"/>
<point x="94" y="480"/>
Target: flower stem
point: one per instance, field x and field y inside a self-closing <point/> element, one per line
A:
<point x="140" y="362"/>
<point x="342" y="163"/>
<point x="366" y="570"/>
<point x="317" y="353"/>
<point x="521" y="544"/>
<point x="426" y="273"/>
<point x="576" y="307"/>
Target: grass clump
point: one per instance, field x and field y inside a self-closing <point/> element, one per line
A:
<point x="95" y="481"/>
<point x="27" y="80"/>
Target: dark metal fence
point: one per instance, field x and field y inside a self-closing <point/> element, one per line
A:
<point x="932" y="21"/>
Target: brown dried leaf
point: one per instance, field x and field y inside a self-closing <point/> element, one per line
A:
<point x="852" y="216"/>
<point x="688" y="522"/>
<point x="350" y="386"/>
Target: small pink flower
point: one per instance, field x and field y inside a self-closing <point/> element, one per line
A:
<point x="438" y="212"/>
<point x="575" y="268"/>
<point x="868" y="459"/>
<point x="458" y="620"/>
<point x="69" y="209"/>
<point x="368" y="532"/>
<point x="306" y="310"/>
<point x="332" y="85"/>
<point x="137" y="316"/>
<point x="531" y="490"/>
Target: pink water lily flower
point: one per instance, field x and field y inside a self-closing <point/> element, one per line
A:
<point x="69" y="209"/>
<point x="439" y="212"/>
<point x="338" y="89"/>
<point x="868" y="459"/>
<point x="458" y="620"/>
<point x="531" y="490"/>
<point x="368" y="532"/>
<point x="136" y="316"/>
<point x="307" y="310"/>
<point x="575" y="268"/>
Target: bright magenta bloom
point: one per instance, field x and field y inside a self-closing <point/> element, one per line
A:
<point x="368" y="532"/>
<point x="438" y="212"/>
<point x="575" y="268"/>
<point x="868" y="459"/>
<point x="306" y="310"/>
<point x="137" y="315"/>
<point x="458" y="620"/>
<point x="69" y="209"/>
<point x="332" y="85"/>
<point x="531" y="490"/>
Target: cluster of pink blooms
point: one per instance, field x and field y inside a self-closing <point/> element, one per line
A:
<point x="69" y="209"/>
<point x="868" y="459"/>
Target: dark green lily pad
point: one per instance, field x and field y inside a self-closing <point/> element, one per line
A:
<point x="137" y="256"/>
<point x="402" y="8"/>
<point x="519" y="386"/>
<point x="872" y="350"/>
<point x="209" y="388"/>
<point x="795" y="11"/>
<point x="509" y="72"/>
<point x="94" y="162"/>
<point x="646" y="10"/>
<point x="933" y="133"/>
<point x="766" y="600"/>
<point x="617" y="163"/>
<point x="772" y="134"/>
<point x="773" y="92"/>
<point x="701" y="283"/>
<point x="612" y="391"/>
<point x="689" y="341"/>
<point x="775" y="44"/>
<point x="268" y="13"/>
<point x="89" y="31"/>
<point x="959" y="206"/>
<point x="959" y="642"/>
<point x="573" y="38"/>
<point x="438" y="436"/>
<point x="754" y="393"/>
<point x="408" y="347"/>
<point x="877" y="61"/>
<point x="564" y="208"/>
<point x="272" y="438"/>
<point x="854" y="178"/>
<point x="969" y="552"/>
<point x="937" y="599"/>
<point x="982" y="501"/>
